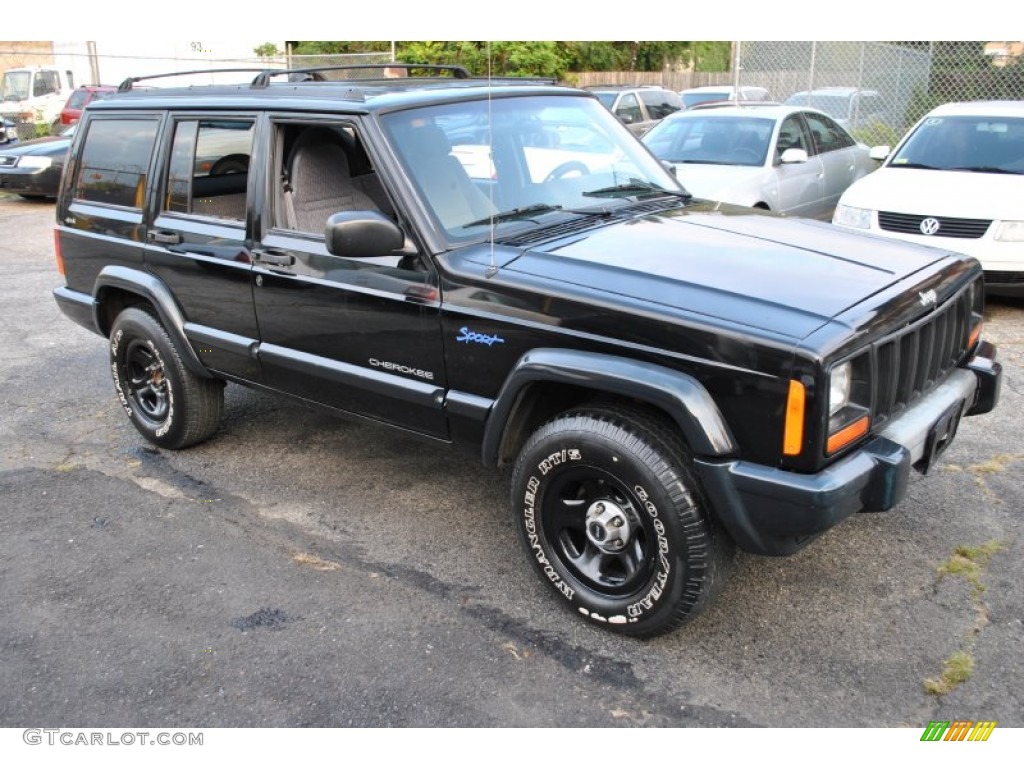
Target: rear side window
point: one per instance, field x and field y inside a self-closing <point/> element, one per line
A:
<point x="78" y="99"/>
<point x="209" y="168"/>
<point x="114" y="161"/>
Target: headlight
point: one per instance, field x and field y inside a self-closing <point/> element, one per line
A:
<point x="847" y="216"/>
<point x="839" y="388"/>
<point x="1010" y="231"/>
<point x="34" y="161"/>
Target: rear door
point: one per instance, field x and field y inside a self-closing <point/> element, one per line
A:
<point x="838" y="154"/>
<point x="197" y="240"/>
<point x="801" y="185"/>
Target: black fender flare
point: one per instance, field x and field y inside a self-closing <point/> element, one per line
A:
<point x="156" y="293"/>
<point x="679" y="395"/>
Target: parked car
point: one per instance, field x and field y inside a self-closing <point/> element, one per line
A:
<point x="667" y="378"/>
<point x="710" y="93"/>
<point x="955" y="181"/>
<point x="639" y="107"/>
<point x="8" y="131"/>
<point x="80" y="97"/>
<point x="785" y="159"/>
<point x="33" y="168"/>
<point x="850" y="107"/>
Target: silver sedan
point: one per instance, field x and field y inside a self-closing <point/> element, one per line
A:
<point x="792" y="160"/>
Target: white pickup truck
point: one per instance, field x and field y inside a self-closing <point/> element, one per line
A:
<point x="35" y="94"/>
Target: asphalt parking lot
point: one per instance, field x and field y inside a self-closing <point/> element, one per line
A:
<point x="304" y="570"/>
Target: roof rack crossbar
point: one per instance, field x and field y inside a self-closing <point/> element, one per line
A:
<point x="263" y="79"/>
<point x="128" y="82"/>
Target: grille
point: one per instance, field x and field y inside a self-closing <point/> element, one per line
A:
<point x="911" y="362"/>
<point x="1003" y="278"/>
<point x="910" y="224"/>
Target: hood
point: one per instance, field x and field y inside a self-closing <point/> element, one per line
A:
<point x="940" y="193"/>
<point x="743" y="267"/>
<point x="48" y="145"/>
<point x="720" y="182"/>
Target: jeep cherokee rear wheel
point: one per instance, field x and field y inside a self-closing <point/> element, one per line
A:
<point x="611" y="517"/>
<point x="167" y="403"/>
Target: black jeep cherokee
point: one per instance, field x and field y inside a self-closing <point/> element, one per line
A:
<point x="503" y="266"/>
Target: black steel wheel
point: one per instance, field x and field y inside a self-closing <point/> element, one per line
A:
<point x="612" y="519"/>
<point x="168" y="404"/>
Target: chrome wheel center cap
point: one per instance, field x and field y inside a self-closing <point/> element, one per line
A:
<point x="608" y="526"/>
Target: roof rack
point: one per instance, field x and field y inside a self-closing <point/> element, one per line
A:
<point x="263" y="79"/>
<point x="128" y="82"/>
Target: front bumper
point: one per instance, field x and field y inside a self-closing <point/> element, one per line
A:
<point x="771" y="511"/>
<point x="39" y="182"/>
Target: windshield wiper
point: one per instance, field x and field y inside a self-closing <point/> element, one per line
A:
<point x="985" y="169"/>
<point x="634" y="186"/>
<point x="516" y="213"/>
<point x="919" y="166"/>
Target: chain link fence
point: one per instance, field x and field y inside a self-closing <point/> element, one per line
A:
<point x="877" y="90"/>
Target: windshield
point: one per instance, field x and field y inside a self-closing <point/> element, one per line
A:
<point x="691" y="99"/>
<point x="711" y="138"/>
<point x="15" y="86"/>
<point x="513" y="161"/>
<point x="980" y="144"/>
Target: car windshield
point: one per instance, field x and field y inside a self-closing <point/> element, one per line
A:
<point x="834" y="106"/>
<point x="712" y="139"/>
<point x="14" y="86"/>
<point x="521" y="162"/>
<point x="691" y="99"/>
<point x="979" y="144"/>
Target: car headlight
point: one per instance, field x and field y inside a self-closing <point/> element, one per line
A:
<point x="34" y="161"/>
<point x="839" y="388"/>
<point x="1010" y="231"/>
<point x="848" y="216"/>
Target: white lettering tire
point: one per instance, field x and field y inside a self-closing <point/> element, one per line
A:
<point x="167" y="403"/>
<point x="612" y="519"/>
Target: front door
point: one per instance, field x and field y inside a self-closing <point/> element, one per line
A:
<point x="361" y="335"/>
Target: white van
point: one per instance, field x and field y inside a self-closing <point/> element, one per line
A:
<point x="35" y="94"/>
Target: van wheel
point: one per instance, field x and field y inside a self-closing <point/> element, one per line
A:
<point x="612" y="519"/>
<point x="167" y="403"/>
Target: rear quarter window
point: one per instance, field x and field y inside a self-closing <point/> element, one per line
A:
<point x="114" y="161"/>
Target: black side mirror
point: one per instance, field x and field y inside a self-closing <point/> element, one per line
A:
<point x="361" y="234"/>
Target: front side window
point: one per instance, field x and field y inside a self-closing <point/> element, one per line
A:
<point x="661" y="104"/>
<point x="629" y="109"/>
<point x="792" y="136"/>
<point x="45" y="83"/>
<point x="114" y="161"/>
<point x="209" y="168"/>
<point x="475" y="163"/>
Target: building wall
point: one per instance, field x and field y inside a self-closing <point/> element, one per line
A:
<point x="25" y="53"/>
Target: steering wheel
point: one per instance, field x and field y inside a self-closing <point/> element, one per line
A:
<point x="567" y="168"/>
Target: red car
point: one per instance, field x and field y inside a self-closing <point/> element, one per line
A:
<point x="80" y="97"/>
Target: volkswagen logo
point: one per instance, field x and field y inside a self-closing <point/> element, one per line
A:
<point x="929" y="226"/>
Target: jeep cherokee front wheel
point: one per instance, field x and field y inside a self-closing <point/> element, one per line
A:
<point x="611" y="518"/>
<point x="167" y="403"/>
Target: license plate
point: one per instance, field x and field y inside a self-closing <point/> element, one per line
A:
<point x="940" y="436"/>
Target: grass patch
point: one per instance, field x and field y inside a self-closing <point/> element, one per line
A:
<point x="967" y="563"/>
<point x="955" y="670"/>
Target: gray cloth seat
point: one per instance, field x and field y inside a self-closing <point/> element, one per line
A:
<point x="320" y="181"/>
<point x="443" y="181"/>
